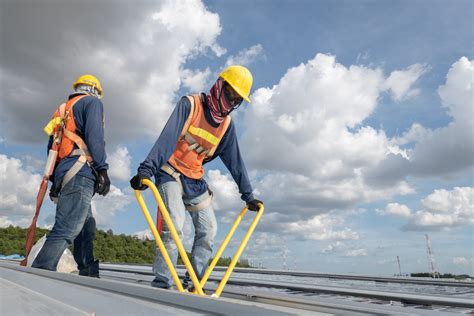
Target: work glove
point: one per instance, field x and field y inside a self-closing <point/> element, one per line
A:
<point x="102" y="183"/>
<point x="136" y="182"/>
<point x="253" y="205"/>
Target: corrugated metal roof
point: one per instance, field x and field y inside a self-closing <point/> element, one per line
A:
<point x="27" y="291"/>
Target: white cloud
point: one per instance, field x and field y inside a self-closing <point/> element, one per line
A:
<point x="18" y="188"/>
<point x="319" y="123"/>
<point x="444" y="209"/>
<point x="416" y="133"/>
<point x="105" y="208"/>
<point x="386" y="261"/>
<point x="320" y="227"/>
<point x="442" y="152"/>
<point x="400" y="82"/>
<point x="119" y="164"/>
<point x="138" y="55"/>
<point x="144" y="234"/>
<point x="263" y="243"/>
<point x="334" y="247"/>
<point x="396" y="209"/>
<point x="245" y="56"/>
<point x="311" y="156"/>
<point x="5" y="222"/>
<point x="195" y="80"/>
<point x="226" y="202"/>
<point x="357" y="253"/>
<point x="457" y="92"/>
<point x="463" y="261"/>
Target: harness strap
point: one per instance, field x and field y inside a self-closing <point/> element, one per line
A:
<point x="79" y="142"/>
<point x="74" y="170"/>
<point x="190" y="117"/>
<point x="166" y="167"/>
<point x="84" y="157"/>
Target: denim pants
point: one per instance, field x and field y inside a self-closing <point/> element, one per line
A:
<point x="205" y="227"/>
<point x="72" y="211"/>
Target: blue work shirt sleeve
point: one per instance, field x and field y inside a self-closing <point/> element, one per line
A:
<point x="166" y="142"/>
<point x="94" y="133"/>
<point x="229" y="152"/>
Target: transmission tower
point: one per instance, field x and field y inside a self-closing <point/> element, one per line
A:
<point x="285" y="254"/>
<point x="399" y="267"/>
<point x="434" y="273"/>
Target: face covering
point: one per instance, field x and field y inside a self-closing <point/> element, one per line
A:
<point x="218" y="104"/>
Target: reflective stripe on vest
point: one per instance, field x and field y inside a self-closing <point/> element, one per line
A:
<point x="198" y="140"/>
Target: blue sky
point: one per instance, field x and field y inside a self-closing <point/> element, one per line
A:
<point x="359" y="138"/>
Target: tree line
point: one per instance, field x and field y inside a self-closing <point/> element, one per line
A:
<point x="108" y="247"/>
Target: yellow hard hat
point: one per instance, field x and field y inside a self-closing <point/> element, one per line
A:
<point x="239" y="78"/>
<point x="89" y="80"/>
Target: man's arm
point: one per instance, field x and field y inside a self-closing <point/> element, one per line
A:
<point x="166" y="142"/>
<point x="229" y="152"/>
<point x="94" y="132"/>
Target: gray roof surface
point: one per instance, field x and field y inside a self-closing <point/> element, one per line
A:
<point x="29" y="294"/>
<point x="28" y="291"/>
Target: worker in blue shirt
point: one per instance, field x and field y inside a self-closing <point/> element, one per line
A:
<point x="199" y="130"/>
<point x="80" y="173"/>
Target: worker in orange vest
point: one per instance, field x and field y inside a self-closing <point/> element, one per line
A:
<point x="81" y="171"/>
<point x="199" y="130"/>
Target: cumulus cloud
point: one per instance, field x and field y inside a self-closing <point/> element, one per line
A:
<point x="361" y="252"/>
<point x="119" y="164"/>
<point x="320" y="227"/>
<point x="444" y="209"/>
<point x="306" y="144"/>
<point x="400" y="82"/>
<point x="6" y="221"/>
<point x="105" y="208"/>
<point x="195" y="80"/>
<point x="144" y="234"/>
<point x="245" y="56"/>
<point x="334" y="247"/>
<point x="440" y="152"/>
<point x="267" y="247"/>
<point x="226" y="202"/>
<point x="463" y="261"/>
<point x="137" y="50"/>
<point x="396" y="209"/>
<point x="18" y="190"/>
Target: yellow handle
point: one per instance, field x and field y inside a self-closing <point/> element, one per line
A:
<point x="241" y="248"/>
<point x="174" y="234"/>
<point x="222" y="247"/>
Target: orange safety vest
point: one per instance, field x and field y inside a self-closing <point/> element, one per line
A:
<point x="198" y="141"/>
<point x="63" y="119"/>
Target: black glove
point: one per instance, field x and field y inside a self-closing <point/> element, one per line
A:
<point x="102" y="183"/>
<point x="253" y="205"/>
<point x="136" y="182"/>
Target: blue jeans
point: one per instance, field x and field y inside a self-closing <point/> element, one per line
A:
<point x="205" y="227"/>
<point x="84" y="249"/>
<point x="72" y="211"/>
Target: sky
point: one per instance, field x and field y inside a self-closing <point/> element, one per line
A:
<point x="359" y="138"/>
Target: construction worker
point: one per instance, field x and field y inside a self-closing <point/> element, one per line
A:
<point x="80" y="173"/>
<point x="199" y="130"/>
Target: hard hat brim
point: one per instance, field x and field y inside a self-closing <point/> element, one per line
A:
<point x="239" y="92"/>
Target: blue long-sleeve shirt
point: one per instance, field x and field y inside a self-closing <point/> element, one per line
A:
<point x="228" y="150"/>
<point x="89" y="118"/>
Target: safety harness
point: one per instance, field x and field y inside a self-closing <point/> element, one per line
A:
<point x="63" y="129"/>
